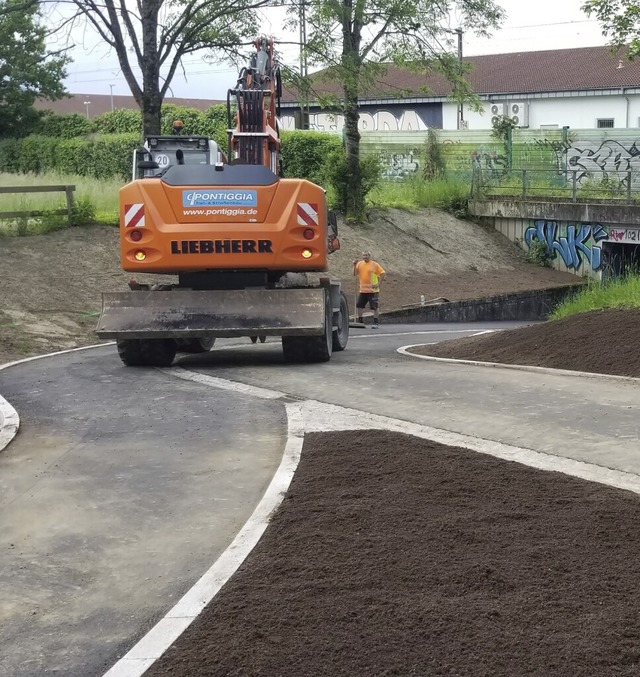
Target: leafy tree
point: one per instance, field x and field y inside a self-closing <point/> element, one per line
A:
<point x="620" y="21"/>
<point x="153" y="36"/>
<point x="27" y="69"/>
<point x="357" y="39"/>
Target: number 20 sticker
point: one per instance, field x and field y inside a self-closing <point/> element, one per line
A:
<point x="163" y="160"/>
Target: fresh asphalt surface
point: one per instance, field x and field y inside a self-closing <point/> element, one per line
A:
<point x="124" y="485"/>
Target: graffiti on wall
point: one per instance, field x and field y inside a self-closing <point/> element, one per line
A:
<point x="399" y="166"/>
<point x="489" y="160"/>
<point x="557" y="147"/>
<point x="624" y="235"/>
<point x="576" y="246"/>
<point x="609" y="157"/>
<point x="404" y="120"/>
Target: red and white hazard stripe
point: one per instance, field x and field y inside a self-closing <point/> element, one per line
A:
<point x="134" y="216"/>
<point x="307" y="213"/>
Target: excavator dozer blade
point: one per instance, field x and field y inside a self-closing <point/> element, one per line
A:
<point x="184" y="313"/>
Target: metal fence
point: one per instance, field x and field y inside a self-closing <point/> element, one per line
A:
<point x="569" y="185"/>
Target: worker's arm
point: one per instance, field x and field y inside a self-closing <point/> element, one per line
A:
<point x="381" y="273"/>
<point x="355" y="266"/>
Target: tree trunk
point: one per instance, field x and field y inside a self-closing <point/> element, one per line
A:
<point x="354" y="199"/>
<point x="151" y="112"/>
<point x="150" y="66"/>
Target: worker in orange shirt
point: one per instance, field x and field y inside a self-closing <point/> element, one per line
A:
<point x="370" y="274"/>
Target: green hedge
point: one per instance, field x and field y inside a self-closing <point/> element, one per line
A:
<point x="103" y="157"/>
<point x="304" y="154"/>
<point x="64" y="126"/>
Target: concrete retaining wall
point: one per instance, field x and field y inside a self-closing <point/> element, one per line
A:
<point x="583" y="239"/>
<point x="529" y="305"/>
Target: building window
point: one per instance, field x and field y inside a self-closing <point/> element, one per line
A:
<point x="605" y="123"/>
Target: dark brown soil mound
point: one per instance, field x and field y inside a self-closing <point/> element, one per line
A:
<point x="392" y="555"/>
<point x="600" y="341"/>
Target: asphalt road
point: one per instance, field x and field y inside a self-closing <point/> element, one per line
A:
<point x="124" y="485"/>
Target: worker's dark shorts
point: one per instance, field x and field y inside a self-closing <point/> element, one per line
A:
<point x="371" y="299"/>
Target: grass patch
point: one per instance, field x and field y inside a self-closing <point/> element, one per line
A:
<point x="620" y="293"/>
<point x="450" y="194"/>
<point x="95" y="201"/>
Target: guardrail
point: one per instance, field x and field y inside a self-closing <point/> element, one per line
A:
<point x="572" y="185"/>
<point x="68" y="191"/>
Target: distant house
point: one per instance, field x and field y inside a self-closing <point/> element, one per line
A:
<point x="96" y="104"/>
<point x="585" y="88"/>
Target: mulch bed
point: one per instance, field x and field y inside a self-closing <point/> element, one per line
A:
<point x="600" y="342"/>
<point x="392" y="555"/>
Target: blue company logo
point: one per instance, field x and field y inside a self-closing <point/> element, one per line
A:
<point x="219" y="198"/>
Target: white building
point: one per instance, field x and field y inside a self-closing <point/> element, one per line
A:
<point x="585" y="88"/>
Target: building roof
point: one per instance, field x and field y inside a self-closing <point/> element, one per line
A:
<point x="556" y="70"/>
<point x="101" y="103"/>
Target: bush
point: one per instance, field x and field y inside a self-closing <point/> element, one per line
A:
<point x="304" y="154"/>
<point x="337" y="174"/>
<point x="538" y="253"/>
<point x="214" y="124"/>
<point x="104" y="157"/>
<point x="64" y="126"/>
<point x="191" y="117"/>
<point x="119" y="121"/>
<point x="434" y="167"/>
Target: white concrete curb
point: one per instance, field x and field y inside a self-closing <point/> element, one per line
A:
<point x="404" y="350"/>
<point x="9" y="423"/>
<point x="167" y="630"/>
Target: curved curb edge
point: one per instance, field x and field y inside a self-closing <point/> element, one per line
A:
<point x="168" y="629"/>
<point x="9" y="419"/>
<point x="404" y="350"/>
<point x="9" y="423"/>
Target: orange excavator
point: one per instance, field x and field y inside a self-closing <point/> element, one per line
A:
<point x="238" y="237"/>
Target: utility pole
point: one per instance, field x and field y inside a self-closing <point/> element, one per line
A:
<point x="304" y="68"/>
<point x="111" y="88"/>
<point x="460" y="107"/>
<point x="87" y="104"/>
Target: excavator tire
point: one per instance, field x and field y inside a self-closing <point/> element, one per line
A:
<point x="130" y="352"/>
<point x="341" y="334"/>
<point x="158" y="352"/>
<point x="311" y="348"/>
<point x="197" y="345"/>
<point x="293" y="348"/>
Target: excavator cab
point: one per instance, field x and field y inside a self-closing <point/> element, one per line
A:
<point x="161" y="152"/>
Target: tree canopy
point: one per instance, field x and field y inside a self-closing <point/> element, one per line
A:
<point x="151" y="37"/>
<point x="27" y="69"/>
<point x="356" y="40"/>
<point x="620" y="21"/>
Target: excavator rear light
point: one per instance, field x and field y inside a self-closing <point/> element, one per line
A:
<point x="308" y="233"/>
<point x="140" y="255"/>
<point x="136" y="235"/>
<point x="307" y="253"/>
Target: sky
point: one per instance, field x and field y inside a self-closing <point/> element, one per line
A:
<point x="529" y="26"/>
